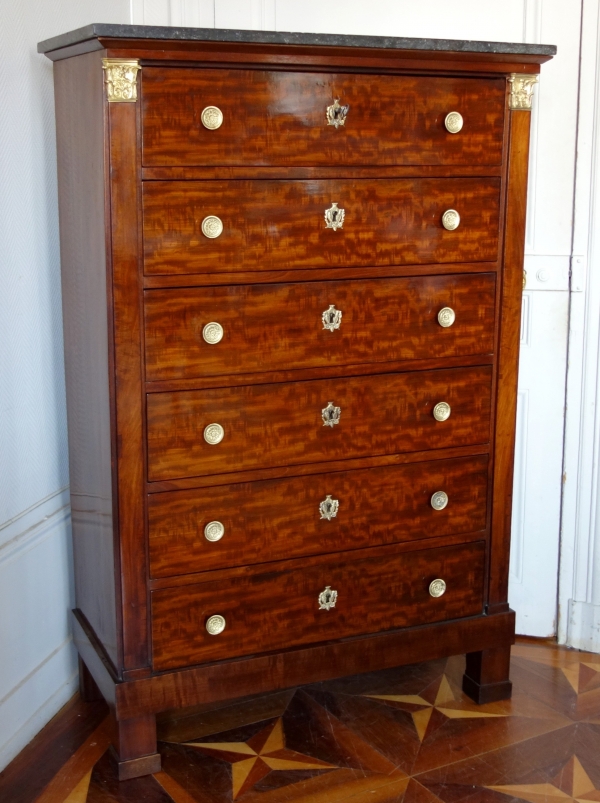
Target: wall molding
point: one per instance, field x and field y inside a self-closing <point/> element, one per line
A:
<point x="24" y="530"/>
<point x="33" y="516"/>
<point x="579" y="582"/>
<point x="532" y="32"/>
<point x="36" y="699"/>
<point x="584" y="626"/>
<point x="37" y="681"/>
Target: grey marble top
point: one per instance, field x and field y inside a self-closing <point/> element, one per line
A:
<point x="100" y="29"/>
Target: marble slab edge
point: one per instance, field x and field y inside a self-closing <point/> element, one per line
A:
<point x="97" y="30"/>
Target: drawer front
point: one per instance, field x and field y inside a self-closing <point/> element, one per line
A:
<point x="270" y="327"/>
<point x="280" y="118"/>
<point x="283" y="424"/>
<point x="256" y="522"/>
<point x="281" y="609"/>
<point x="270" y="225"/>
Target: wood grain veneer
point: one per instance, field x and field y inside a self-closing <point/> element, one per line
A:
<point x="279" y="609"/>
<point x="88" y="338"/>
<point x="277" y="224"/>
<point x="270" y="327"/>
<point x="279" y="519"/>
<point x="276" y="118"/>
<point x="279" y="425"/>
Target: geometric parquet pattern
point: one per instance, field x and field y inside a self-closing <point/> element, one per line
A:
<point x="407" y="735"/>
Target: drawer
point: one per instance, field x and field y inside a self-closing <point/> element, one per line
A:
<point x="270" y="327"/>
<point x="256" y="522"/>
<point x="281" y="609"/>
<point x="270" y="225"/>
<point x="283" y="424"/>
<point x="280" y="118"/>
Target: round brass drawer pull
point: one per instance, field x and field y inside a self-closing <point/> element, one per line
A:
<point x="437" y="588"/>
<point x="327" y="599"/>
<point x="215" y="624"/>
<point x="213" y="434"/>
<point x="214" y="531"/>
<point x="212" y="226"/>
<point x="439" y="500"/>
<point x="450" y="220"/>
<point x="446" y="317"/>
<point x="213" y="332"/>
<point x="441" y="411"/>
<point x="454" y="122"/>
<point x="212" y="118"/>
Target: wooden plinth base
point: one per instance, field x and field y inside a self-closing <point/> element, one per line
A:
<point x="135" y="701"/>
<point x="488" y="693"/>
<point x="135" y="767"/>
<point x="486" y="677"/>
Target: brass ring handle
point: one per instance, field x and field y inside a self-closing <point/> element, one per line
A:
<point x="439" y="500"/>
<point x="441" y="411"/>
<point x="212" y="118"/>
<point x="450" y="219"/>
<point x="214" y="531"/>
<point x="215" y="624"/>
<point x="213" y="333"/>
<point x="454" y="122"/>
<point x="213" y="434"/>
<point x="437" y="588"/>
<point x="446" y="317"/>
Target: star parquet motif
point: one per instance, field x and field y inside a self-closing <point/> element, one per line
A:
<point x="572" y="783"/>
<point x="438" y="698"/>
<point x="404" y="735"/>
<point x="261" y="754"/>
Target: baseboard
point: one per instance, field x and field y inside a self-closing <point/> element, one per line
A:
<point x="584" y="626"/>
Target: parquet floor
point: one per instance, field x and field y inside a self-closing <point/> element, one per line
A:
<point x="405" y="735"/>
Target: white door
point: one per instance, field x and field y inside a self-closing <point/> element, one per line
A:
<point x="539" y="449"/>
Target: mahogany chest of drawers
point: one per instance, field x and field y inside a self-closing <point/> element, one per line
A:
<point x="292" y="274"/>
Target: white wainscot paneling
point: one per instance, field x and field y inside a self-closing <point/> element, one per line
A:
<point x="37" y="662"/>
<point x="543" y="363"/>
<point x="579" y="598"/>
<point x="38" y="669"/>
<point x="461" y="19"/>
<point x="537" y="491"/>
<point x="248" y="14"/>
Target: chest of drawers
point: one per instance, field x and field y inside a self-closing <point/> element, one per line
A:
<point x="292" y="272"/>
